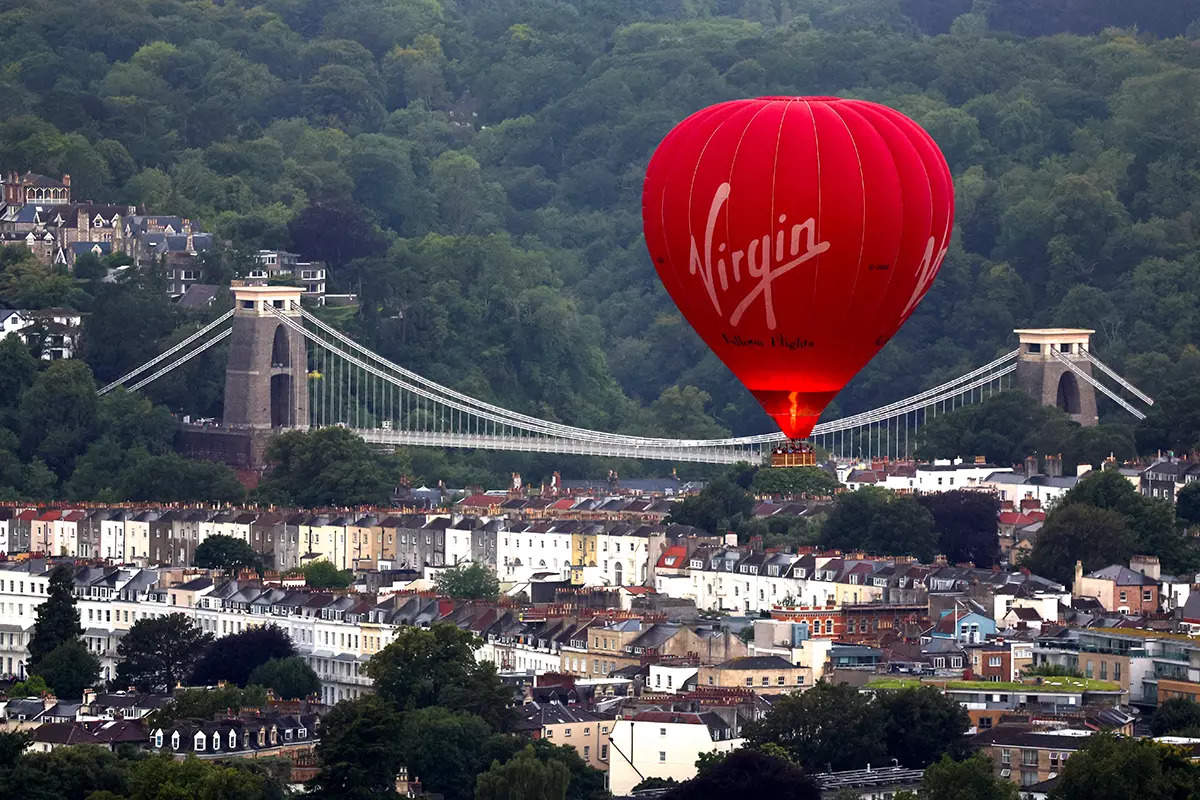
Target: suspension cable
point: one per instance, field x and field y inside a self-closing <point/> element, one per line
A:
<point x="170" y="352"/>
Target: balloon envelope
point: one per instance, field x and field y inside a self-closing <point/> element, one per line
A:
<point x="796" y="235"/>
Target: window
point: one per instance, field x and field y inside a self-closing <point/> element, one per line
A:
<point x="1147" y="596"/>
<point x="603" y="752"/>
<point x="781" y="680"/>
<point x="1029" y="758"/>
<point x="549" y="733"/>
<point x="216" y="741"/>
<point x="199" y="742"/>
<point x="993" y="661"/>
<point x="749" y="681"/>
<point x="232" y="740"/>
<point x="174" y="741"/>
<point x="158" y="738"/>
<point x="1123" y="597"/>
<point x="1005" y="756"/>
<point x="567" y="733"/>
<point x="662" y="731"/>
<point x="662" y="756"/>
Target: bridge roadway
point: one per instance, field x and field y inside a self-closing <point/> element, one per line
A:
<point x="545" y="444"/>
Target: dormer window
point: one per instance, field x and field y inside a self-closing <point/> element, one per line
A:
<point x="262" y="737"/>
<point x="199" y="742"/>
<point x="158" y="738"/>
<point x="302" y="733"/>
<point x="232" y="740"/>
<point x="216" y="741"/>
<point x="287" y="735"/>
<point x="174" y="740"/>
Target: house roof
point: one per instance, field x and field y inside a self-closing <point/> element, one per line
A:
<point x="1122" y="576"/>
<point x="757" y="662"/>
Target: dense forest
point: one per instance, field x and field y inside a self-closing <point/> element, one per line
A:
<point x="473" y="171"/>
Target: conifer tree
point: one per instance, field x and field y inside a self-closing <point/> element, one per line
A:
<point x="57" y="617"/>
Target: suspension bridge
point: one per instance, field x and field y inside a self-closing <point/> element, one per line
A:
<point x="289" y="369"/>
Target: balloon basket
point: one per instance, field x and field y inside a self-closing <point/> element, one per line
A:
<point x="795" y="453"/>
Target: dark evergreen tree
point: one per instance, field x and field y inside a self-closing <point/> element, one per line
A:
<point x="57" y="618"/>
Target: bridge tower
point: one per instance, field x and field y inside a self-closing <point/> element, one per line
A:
<point x="1049" y="381"/>
<point x="266" y="377"/>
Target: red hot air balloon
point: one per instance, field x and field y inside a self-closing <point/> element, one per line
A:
<point x="796" y="235"/>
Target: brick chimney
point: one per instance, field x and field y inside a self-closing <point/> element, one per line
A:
<point x="1031" y="466"/>
<point x="66" y="180"/>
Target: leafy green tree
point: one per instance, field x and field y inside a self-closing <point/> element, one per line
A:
<point x="718" y="507"/>
<point x="289" y="678"/>
<point x="322" y="574"/>
<point x="79" y="771"/>
<point x="795" y="481"/>
<point x="17" y="370"/>
<point x="33" y="686"/>
<point x="326" y="466"/>
<point x="361" y="750"/>
<point x="1124" y="769"/>
<point x="235" y="656"/>
<point x="442" y="747"/>
<point x="57" y="619"/>
<point x="523" y="777"/>
<point x="159" y="652"/>
<point x="969" y="779"/>
<point x="828" y="727"/>
<point x="204" y="703"/>
<point x="1080" y="532"/>
<point x="1178" y="716"/>
<point x="880" y="522"/>
<point x="748" y="770"/>
<point x="1187" y="505"/>
<point x="922" y="725"/>
<point x="228" y="553"/>
<point x="160" y="777"/>
<point x="69" y="669"/>
<point x="58" y="415"/>
<point x="965" y="522"/>
<point x="469" y="581"/>
<point x="422" y="668"/>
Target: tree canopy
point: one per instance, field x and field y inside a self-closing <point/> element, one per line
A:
<point x="469" y="581"/>
<point x="235" y="656"/>
<point x="881" y="522"/>
<point x="57" y="617"/>
<point x="158" y="653"/>
<point x="228" y="553"/>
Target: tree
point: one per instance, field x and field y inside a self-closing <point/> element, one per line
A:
<point x="204" y="703"/>
<point x="33" y="686"/>
<point x="749" y="772"/>
<point x="235" y="656"/>
<point x="829" y="727"/>
<point x="880" y="522"/>
<point x="1119" y="768"/>
<point x="159" y="652"/>
<point x="360" y="751"/>
<point x="717" y="507"/>
<point x="469" y="581"/>
<point x="443" y="748"/>
<point x="160" y="777"/>
<point x="79" y="771"/>
<point x="971" y="779"/>
<point x="1097" y="537"/>
<point x="1179" y="716"/>
<point x="58" y="415"/>
<point x="228" y="553"/>
<point x="422" y="668"/>
<point x="326" y="466"/>
<point x="965" y="522"/>
<point x="322" y="574"/>
<point x="1187" y="505"/>
<point x="922" y="725"/>
<point x="795" y="481"/>
<point x="523" y="777"/>
<point x="57" y="618"/>
<point x="69" y="669"/>
<point x="289" y="678"/>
